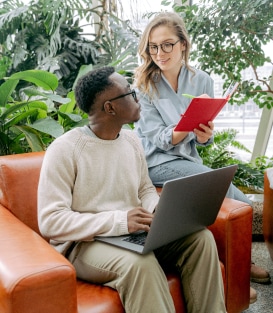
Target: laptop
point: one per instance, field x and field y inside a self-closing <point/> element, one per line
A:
<point x="186" y="205"/>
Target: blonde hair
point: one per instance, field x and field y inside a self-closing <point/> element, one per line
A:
<point x="148" y="72"/>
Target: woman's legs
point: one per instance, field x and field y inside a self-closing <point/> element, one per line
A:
<point x="182" y="168"/>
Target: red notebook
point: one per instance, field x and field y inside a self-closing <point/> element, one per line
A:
<point x="200" y="111"/>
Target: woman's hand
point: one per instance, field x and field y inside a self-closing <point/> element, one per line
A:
<point x="202" y="136"/>
<point x="139" y="219"/>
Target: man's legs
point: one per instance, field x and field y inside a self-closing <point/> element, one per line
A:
<point x="197" y="261"/>
<point x="139" y="279"/>
<point x="181" y="168"/>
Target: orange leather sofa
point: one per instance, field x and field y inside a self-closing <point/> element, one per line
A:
<point x="34" y="278"/>
<point x="268" y="215"/>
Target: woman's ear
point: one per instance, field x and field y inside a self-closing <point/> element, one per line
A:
<point x="183" y="45"/>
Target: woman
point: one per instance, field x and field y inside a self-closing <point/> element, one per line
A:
<point x="161" y="79"/>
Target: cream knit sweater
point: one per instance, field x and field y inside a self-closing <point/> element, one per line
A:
<point x="87" y="186"/>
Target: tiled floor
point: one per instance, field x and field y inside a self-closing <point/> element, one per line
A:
<point x="264" y="303"/>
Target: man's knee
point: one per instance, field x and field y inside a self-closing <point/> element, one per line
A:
<point x="146" y="263"/>
<point x="204" y="239"/>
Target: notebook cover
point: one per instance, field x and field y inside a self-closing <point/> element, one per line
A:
<point x="200" y="111"/>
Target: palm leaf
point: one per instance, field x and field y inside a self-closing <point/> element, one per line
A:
<point x="11" y="20"/>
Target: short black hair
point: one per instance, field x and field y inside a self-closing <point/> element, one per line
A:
<point x="92" y="84"/>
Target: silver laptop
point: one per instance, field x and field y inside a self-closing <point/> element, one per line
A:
<point x="186" y="205"/>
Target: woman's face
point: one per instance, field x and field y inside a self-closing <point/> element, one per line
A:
<point x="162" y="38"/>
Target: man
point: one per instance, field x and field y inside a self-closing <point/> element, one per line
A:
<point x="94" y="181"/>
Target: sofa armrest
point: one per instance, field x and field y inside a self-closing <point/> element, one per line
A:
<point x="232" y="231"/>
<point x="33" y="276"/>
<point x="268" y="214"/>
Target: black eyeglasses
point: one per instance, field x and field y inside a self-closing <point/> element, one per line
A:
<point x="166" y="47"/>
<point x="132" y="92"/>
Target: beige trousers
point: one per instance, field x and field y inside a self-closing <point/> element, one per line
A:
<point x="141" y="282"/>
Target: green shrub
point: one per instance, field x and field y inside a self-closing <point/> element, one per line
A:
<point x="250" y="176"/>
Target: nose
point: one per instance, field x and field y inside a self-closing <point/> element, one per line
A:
<point x="137" y="102"/>
<point x="159" y="50"/>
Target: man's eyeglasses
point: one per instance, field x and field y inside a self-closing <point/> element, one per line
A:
<point x="166" y="47"/>
<point x="132" y="92"/>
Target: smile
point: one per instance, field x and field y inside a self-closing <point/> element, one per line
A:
<point x="162" y="61"/>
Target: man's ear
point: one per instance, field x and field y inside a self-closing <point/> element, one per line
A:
<point x="109" y="108"/>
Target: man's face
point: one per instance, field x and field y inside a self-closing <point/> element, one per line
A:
<point x="123" y="100"/>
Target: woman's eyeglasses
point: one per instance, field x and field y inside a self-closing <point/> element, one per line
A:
<point x="132" y="92"/>
<point x="166" y="47"/>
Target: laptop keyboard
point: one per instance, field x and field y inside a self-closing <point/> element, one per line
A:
<point x="138" y="239"/>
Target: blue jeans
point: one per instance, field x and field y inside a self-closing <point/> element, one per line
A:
<point x="182" y="168"/>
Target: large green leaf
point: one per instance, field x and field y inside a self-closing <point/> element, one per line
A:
<point x="72" y="117"/>
<point x="68" y="107"/>
<point x="40" y="78"/>
<point x="48" y="126"/>
<point x="37" y="105"/>
<point x="6" y="90"/>
<point x="33" y="138"/>
<point x="20" y="117"/>
<point x="84" y="69"/>
<point x="31" y="92"/>
<point x="16" y="107"/>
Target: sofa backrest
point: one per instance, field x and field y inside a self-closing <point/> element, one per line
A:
<point x="19" y="176"/>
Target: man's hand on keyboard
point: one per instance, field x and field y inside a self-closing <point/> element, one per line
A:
<point x="139" y="219"/>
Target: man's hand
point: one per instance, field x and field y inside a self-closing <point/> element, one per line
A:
<point x="139" y="219"/>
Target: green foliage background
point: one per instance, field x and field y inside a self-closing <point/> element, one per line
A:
<point x="228" y="37"/>
<point x="45" y="47"/>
